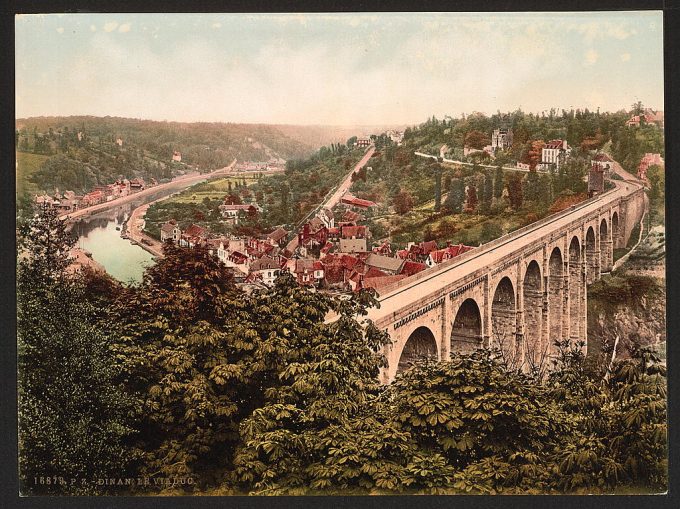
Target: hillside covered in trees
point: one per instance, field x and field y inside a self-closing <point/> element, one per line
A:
<point x="473" y="203"/>
<point x="78" y="153"/>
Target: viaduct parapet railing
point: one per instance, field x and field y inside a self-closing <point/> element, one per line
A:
<point x="408" y="292"/>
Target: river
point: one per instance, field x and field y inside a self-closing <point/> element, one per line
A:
<point x="98" y="235"/>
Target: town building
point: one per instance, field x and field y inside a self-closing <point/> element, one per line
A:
<point x="119" y="141"/>
<point x="265" y="269"/>
<point x="353" y="245"/>
<point x="396" y="136"/>
<point x="649" y="117"/>
<point x="387" y="264"/>
<point x="177" y="156"/>
<point x="363" y="142"/>
<point x="170" y="230"/>
<point x="278" y="237"/>
<point x="605" y="162"/>
<point x="441" y="255"/>
<point x="327" y="217"/>
<point x="501" y="139"/>
<point x="648" y="160"/>
<point x="595" y="180"/>
<point x="234" y="213"/>
<point x="193" y="236"/>
<point x="554" y="153"/>
<point x="307" y="272"/>
<point x="357" y="202"/>
<point x="137" y="184"/>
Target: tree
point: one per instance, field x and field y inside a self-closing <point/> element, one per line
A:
<point x="403" y="202"/>
<point x="498" y="182"/>
<point x="316" y="376"/>
<point x="180" y="352"/>
<point x="637" y="108"/>
<point x="471" y="198"/>
<point x="454" y="200"/>
<point x="656" y="177"/>
<point x="531" y="186"/>
<point x="515" y="194"/>
<point x="534" y="153"/>
<point x="477" y="139"/>
<point x="437" y="187"/>
<point x="487" y="193"/>
<point x="73" y="416"/>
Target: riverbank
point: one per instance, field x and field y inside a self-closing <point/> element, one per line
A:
<point x="135" y="230"/>
<point x="80" y="258"/>
<point x="184" y="180"/>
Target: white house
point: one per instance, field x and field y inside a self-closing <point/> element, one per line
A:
<point x="554" y="153"/>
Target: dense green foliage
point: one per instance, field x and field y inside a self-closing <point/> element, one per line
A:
<point x="83" y="152"/>
<point x="258" y="393"/>
<point x="74" y="416"/>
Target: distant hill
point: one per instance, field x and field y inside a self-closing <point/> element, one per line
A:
<point x="80" y="152"/>
<point x="321" y="135"/>
<point x="77" y="153"/>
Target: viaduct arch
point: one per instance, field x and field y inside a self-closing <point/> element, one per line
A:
<point x="517" y="294"/>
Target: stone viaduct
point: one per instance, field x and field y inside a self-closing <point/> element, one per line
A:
<point x="518" y="293"/>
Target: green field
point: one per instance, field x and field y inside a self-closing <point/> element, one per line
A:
<point x="27" y="164"/>
<point x="216" y="189"/>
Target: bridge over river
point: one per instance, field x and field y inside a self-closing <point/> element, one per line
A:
<point x="518" y="293"/>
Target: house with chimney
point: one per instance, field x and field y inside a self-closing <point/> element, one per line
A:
<point x="605" y="162"/>
<point x="595" y="180"/>
<point x="648" y="160"/>
<point x="170" y="230"/>
<point x="554" y="154"/>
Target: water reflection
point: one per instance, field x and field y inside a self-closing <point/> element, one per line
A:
<point x="98" y="235"/>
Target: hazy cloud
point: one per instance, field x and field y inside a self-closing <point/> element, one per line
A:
<point x="60" y="30"/>
<point x="591" y="57"/>
<point x="335" y="69"/>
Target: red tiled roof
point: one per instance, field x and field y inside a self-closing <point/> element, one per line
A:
<point x="353" y="231"/>
<point x="195" y="231"/>
<point x="554" y="144"/>
<point x="351" y="200"/>
<point x="277" y="234"/>
<point x="448" y="252"/>
<point x="373" y="272"/>
<point x="350" y="216"/>
<point x="411" y="268"/>
<point x="428" y="247"/>
<point x="334" y="273"/>
<point x="327" y="248"/>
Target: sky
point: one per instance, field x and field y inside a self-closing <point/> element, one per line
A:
<point x="335" y="69"/>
